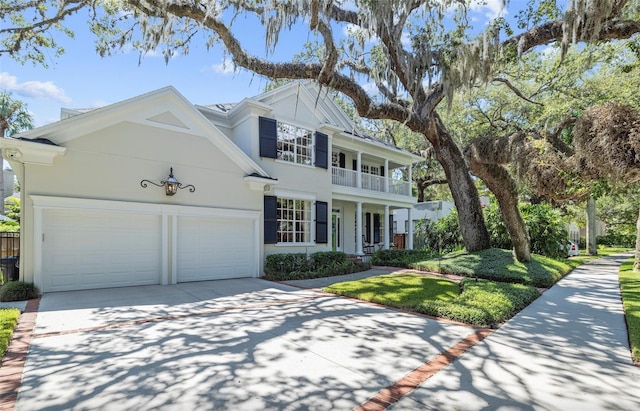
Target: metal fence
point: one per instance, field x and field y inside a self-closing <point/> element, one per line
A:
<point x="10" y="255"/>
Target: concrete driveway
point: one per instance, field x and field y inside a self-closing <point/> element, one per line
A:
<point x="227" y="345"/>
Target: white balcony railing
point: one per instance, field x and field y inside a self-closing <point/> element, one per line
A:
<point x="400" y="187"/>
<point x="344" y="177"/>
<point x="349" y="178"/>
<point x="373" y="183"/>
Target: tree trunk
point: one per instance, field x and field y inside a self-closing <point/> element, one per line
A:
<point x="464" y="192"/>
<point x="504" y="188"/>
<point x="420" y="187"/>
<point x="636" y="261"/>
<point x="592" y="248"/>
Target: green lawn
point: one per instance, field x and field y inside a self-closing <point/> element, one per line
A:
<point x="500" y="265"/>
<point x="404" y="291"/>
<point x="8" y="321"/>
<point x="481" y="303"/>
<point x="630" y="288"/>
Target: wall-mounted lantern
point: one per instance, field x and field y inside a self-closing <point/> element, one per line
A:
<point x="171" y="184"/>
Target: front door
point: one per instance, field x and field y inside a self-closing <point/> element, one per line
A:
<point x="336" y="231"/>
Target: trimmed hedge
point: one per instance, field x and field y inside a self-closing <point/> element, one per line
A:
<point x="617" y="240"/>
<point x="400" y="257"/>
<point x="18" y="291"/>
<point x="282" y="267"/>
<point x="8" y="320"/>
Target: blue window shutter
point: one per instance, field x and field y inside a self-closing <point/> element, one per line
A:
<point x="270" y="219"/>
<point x="367" y="231"/>
<point x="322" y="222"/>
<point x="376" y="228"/>
<point x="322" y="150"/>
<point x="268" y="131"/>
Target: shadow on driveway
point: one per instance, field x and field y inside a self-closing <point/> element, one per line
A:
<point x="234" y="344"/>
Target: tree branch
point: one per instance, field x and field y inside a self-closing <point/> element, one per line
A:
<point x="515" y="90"/>
<point x="553" y="31"/>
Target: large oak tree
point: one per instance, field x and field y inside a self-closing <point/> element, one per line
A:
<point x="414" y="54"/>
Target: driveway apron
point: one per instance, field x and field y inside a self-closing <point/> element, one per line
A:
<point x="567" y="351"/>
<point x="226" y="345"/>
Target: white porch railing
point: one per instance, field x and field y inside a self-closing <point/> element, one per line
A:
<point x="349" y="178"/>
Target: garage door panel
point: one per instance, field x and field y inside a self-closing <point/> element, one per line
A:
<point x="89" y="249"/>
<point x="215" y="248"/>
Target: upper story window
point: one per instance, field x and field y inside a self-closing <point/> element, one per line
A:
<point x="295" y="144"/>
<point x="335" y="159"/>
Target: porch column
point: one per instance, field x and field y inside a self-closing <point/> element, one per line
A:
<point x="387" y="175"/>
<point x="386" y="227"/>
<point x="409" y="229"/>
<point x="359" y="171"/>
<point x="359" y="227"/>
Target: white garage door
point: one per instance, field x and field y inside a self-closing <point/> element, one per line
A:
<point x="215" y="248"/>
<point x="87" y="249"/>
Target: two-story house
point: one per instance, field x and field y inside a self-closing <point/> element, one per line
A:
<point x="156" y="190"/>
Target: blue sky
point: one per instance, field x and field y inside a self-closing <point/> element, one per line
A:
<point x="80" y="78"/>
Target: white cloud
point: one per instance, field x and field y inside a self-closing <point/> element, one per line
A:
<point x="370" y="88"/>
<point x="41" y="90"/>
<point x="405" y="39"/>
<point x="225" y="67"/>
<point x="490" y="8"/>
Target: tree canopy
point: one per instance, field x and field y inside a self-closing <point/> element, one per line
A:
<point x="398" y="60"/>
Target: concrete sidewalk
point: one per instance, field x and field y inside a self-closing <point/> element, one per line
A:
<point x="567" y="351"/>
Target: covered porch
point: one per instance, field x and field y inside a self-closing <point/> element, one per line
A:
<point x="361" y="228"/>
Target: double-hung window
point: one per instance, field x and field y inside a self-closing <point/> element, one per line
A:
<point x="294" y="221"/>
<point x="295" y="144"/>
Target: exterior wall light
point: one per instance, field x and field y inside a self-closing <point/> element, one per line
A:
<point x="171" y="184"/>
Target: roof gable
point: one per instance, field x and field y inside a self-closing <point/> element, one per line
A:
<point x="164" y="108"/>
<point x="308" y="98"/>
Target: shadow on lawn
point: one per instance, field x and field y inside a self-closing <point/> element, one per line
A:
<point x="567" y="350"/>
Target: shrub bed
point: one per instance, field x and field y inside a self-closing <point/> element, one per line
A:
<point x="630" y="289"/>
<point x="8" y="321"/>
<point x="282" y="267"/>
<point x="482" y="303"/>
<point x="499" y="265"/>
<point x="18" y="291"/>
<point x="400" y="257"/>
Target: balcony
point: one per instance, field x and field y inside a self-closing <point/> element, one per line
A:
<point x="349" y="178"/>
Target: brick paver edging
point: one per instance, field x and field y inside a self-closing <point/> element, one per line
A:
<point x="409" y="382"/>
<point x="15" y="356"/>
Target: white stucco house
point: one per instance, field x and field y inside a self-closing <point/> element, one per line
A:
<point x="285" y="171"/>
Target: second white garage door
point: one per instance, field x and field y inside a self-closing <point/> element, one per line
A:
<point x="213" y="248"/>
